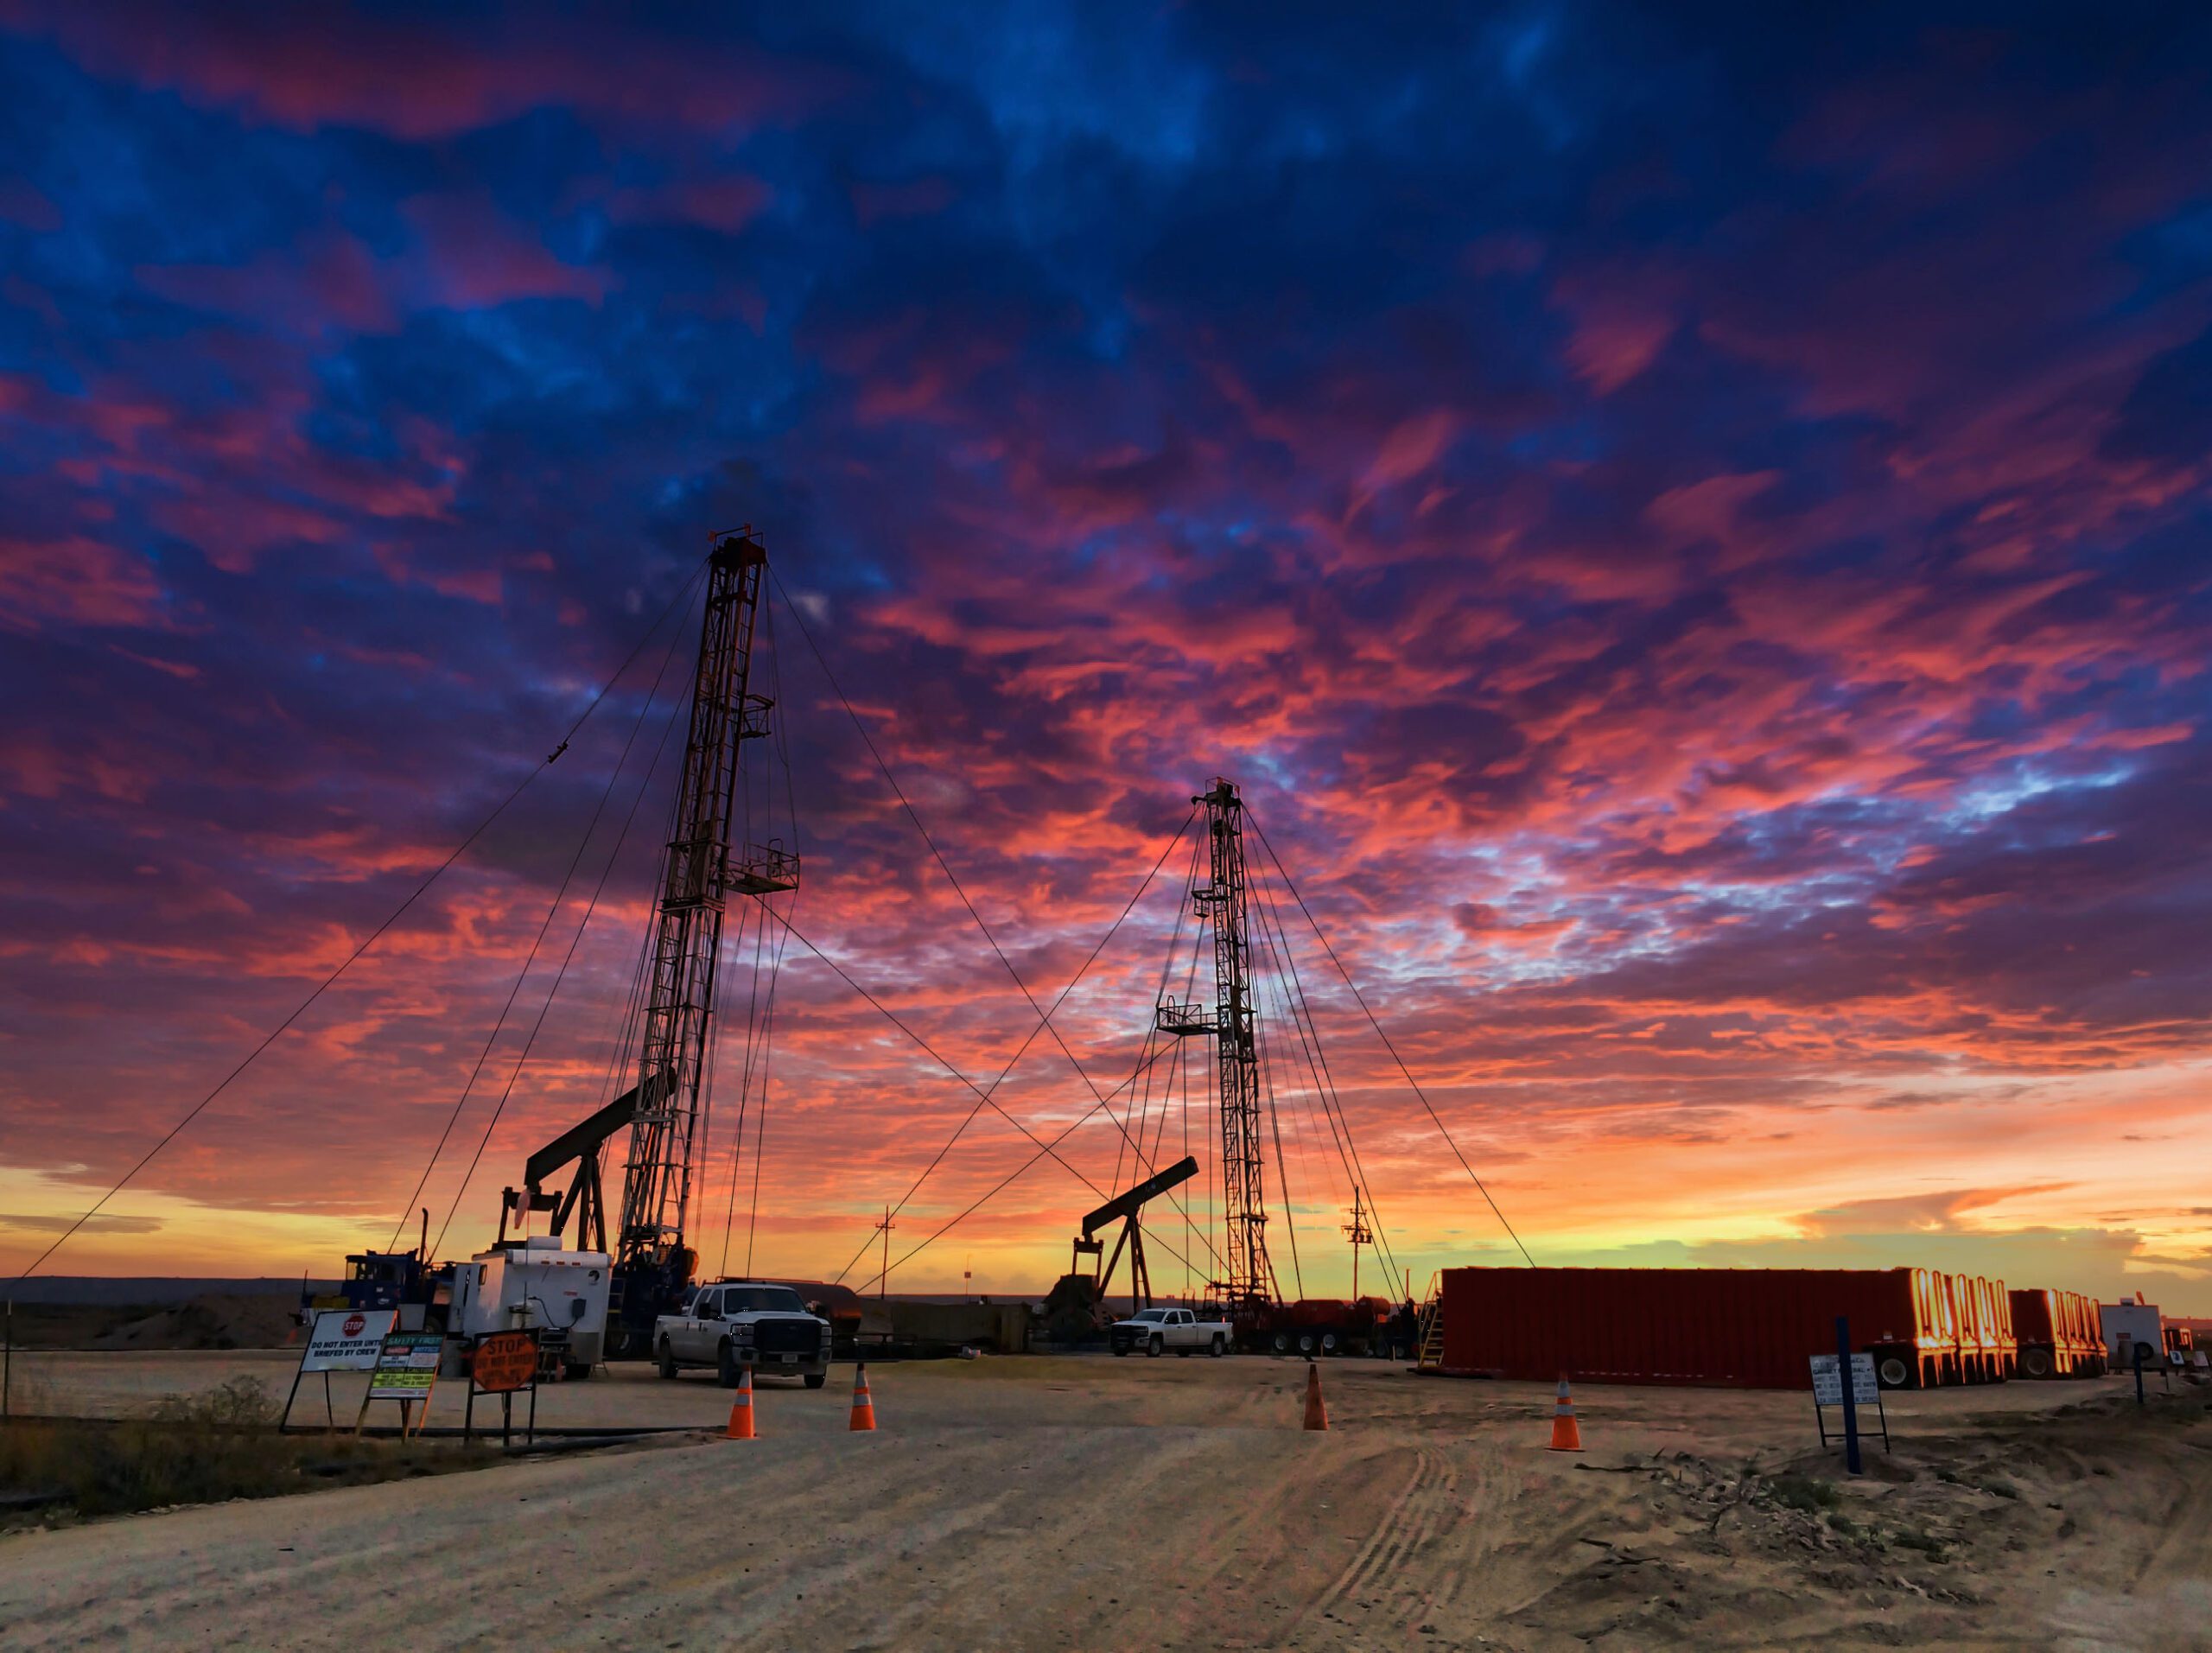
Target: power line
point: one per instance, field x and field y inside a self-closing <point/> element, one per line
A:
<point x="498" y="1025"/>
<point x="1029" y="1038"/>
<point x="458" y="851"/>
<point x="944" y="865"/>
<point x="1442" y="1130"/>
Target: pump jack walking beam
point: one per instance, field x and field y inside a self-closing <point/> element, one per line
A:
<point x="1125" y="1207"/>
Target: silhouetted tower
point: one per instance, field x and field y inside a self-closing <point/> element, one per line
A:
<point x="698" y="874"/>
<point x="1249" y="1278"/>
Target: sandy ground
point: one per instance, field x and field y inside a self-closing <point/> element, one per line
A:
<point x="1096" y="1502"/>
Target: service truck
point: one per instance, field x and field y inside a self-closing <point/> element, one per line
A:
<point x="734" y="1324"/>
<point x="1156" y="1330"/>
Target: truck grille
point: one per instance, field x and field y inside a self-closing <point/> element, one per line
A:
<point x="787" y="1336"/>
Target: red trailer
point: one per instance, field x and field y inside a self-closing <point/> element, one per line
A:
<point x="2057" y="1332"/>
<point x="1985" y="1320"/>
<point x="1750" y="1328"/>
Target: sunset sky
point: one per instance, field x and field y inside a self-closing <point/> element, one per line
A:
<point x="1688" y="527"/>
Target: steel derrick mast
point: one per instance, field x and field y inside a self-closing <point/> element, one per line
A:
<point x="1248" y="1282"/>
<point x="698" y="875"/>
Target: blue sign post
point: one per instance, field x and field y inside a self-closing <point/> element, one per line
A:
<point x="1850" y="1401"/>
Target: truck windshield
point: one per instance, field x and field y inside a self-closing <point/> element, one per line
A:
<point x="1152" y="1314"/>
<point x="752" y="1300"/>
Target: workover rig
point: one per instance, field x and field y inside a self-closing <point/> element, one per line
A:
<point x="668" y="1043"/>
<point x="1247" y="1284"/>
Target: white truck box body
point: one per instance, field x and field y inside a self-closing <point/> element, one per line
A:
<point x="2125" y="1324"/>
<point x="537" y="1283"/>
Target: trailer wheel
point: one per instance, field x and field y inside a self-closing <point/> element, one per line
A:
<point x="1328" y="1343"/>
<point x="726" y="1365"/>
<point x="1282" y="1343"/>
<point x="667" y="1359"/>
<point x="2036" y="1363"/>
<point x="815" y="1380"/>
<point x="1306" y="1343"/>
<point x="1220" y="1346"/>
<point x="1156" y="1346"/>
<point x="1893" y="1371"/>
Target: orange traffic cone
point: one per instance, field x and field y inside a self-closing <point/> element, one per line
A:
<point x="740" y="1410"/>
<point x="863" y="1406"/>
<point x="1316" y="1415"/>
<point x="1566" y="1433"/>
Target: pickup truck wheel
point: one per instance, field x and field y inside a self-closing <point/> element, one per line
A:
<point x="726" y="1366"/>
<point x="1218" y="1348"/>
<point x="667" y="1357"/>
<point x="815" y="1380"/>
<point x="1156" y="1347"/>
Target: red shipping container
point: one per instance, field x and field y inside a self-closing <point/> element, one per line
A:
<point x="1750" y="1328"/>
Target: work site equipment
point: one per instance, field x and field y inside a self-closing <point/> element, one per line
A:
<point x="1248" y="1279"/>
<point x="1567" y="1433"/>
<point x="1126" y="1207"/>
<point x="668" y="1045"/>
<point x="1742" y="1328"/>
<point x="1316" y="1415"/>
<point x="863" y="1404"/>
<point x="740" y="1410"/>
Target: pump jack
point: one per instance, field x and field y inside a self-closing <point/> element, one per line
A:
<point x="1126" y="1207"/>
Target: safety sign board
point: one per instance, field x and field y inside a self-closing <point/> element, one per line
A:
<point x="407" y="1366"/>
<point x="1827" y="1383"/>
<point x="504" y="1362"/>
<point x="347" y="1339"/>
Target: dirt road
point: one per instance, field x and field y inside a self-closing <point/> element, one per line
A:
<point x="1092" y="1503"/>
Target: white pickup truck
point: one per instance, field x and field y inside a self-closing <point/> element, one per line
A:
<point x="1156" y="1330"/>
<point x="735" y="1324"/>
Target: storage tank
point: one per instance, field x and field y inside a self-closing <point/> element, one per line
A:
<point x="1750" y="1328"/>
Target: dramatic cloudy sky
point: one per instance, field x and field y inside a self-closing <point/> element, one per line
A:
<point x="1689" y="531"/>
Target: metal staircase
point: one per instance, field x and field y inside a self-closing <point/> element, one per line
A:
<point x="1430" y="1358"/>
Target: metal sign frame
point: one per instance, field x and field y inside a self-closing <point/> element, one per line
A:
<point x="390" y="1317"/>
<point x="506" y="1395"/>
<point x="1820" y="1408"/>
<point x="403" y="1355"/>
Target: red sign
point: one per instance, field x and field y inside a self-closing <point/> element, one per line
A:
<point x="504" y="1362"/>
<point x="355" y="1325"/>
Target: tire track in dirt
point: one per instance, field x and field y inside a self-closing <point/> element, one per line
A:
<point x="1385" y="1576"/>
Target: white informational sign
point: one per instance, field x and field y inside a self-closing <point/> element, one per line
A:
<point x="1827" y="1384"/>
<point x="347" y="1339"/>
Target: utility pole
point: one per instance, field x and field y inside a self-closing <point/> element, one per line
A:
<point x="1357" y="1229"/>
<point x="884" y="1228"/>
<point x="1248" y="1281"/>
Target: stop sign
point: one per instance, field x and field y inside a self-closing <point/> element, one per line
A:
<point x="354" y="1325"/>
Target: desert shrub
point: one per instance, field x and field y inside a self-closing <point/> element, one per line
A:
<point x="1805" y="1492"/>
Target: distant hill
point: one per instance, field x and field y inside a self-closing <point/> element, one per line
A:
<point x="152" y="1290"/>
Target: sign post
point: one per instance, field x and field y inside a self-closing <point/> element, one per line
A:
<point x="1850" y="1400"/>
<point x="503" y="1363"/>
<point x="1864" y="1391"/>
<point x="406" y="1371"/>
<point x="341" y="1340"/>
